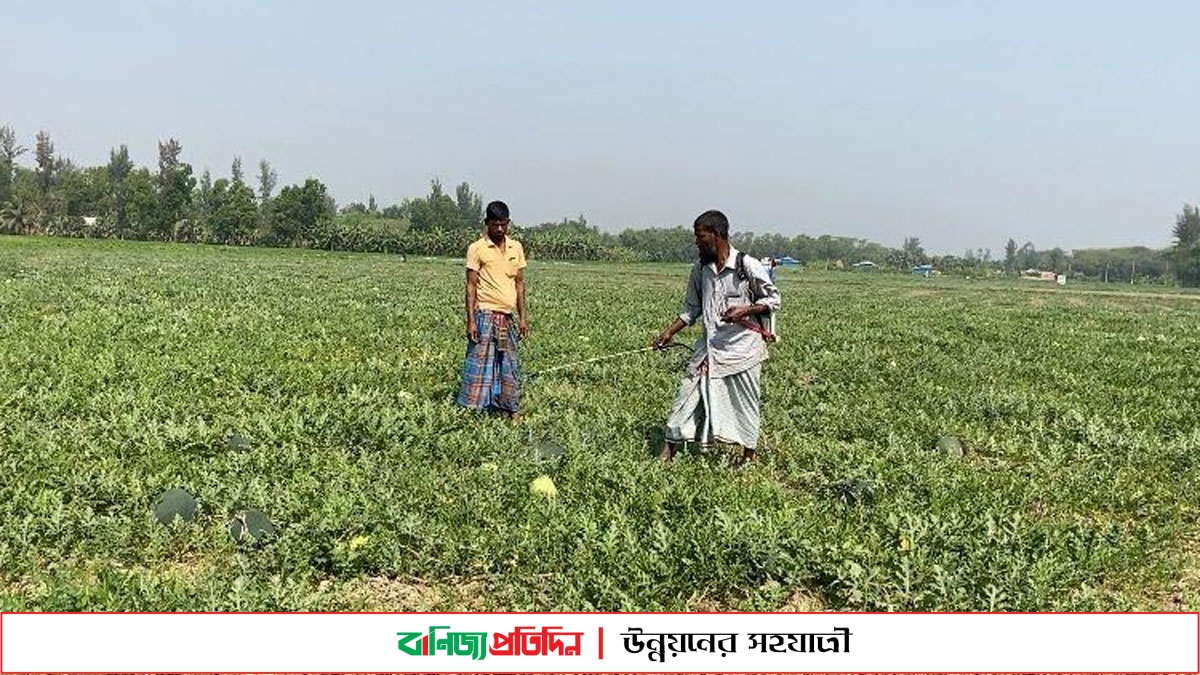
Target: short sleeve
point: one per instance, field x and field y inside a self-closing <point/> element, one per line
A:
<point x="473" y="261"/>
<point x="521" y="257"/>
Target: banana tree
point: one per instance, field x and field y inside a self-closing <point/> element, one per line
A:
<point x="18" y="217"/>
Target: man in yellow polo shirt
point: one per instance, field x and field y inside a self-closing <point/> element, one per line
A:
<point x="497" y="318"/>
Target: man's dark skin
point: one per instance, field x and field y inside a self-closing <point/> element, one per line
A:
<point x="497" y="231"/>
<point x="713" y="249"/>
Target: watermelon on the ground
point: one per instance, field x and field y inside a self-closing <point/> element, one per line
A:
<point x="550" y="449"/>
<point x="237" y="442"/>
<point x="175" y="503"/>
<point x="544" y="487"/>
<point x="950" y="446"/>
<point x="251" y="524"/>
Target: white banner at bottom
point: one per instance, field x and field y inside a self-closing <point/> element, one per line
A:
<point x="599" y="643"/>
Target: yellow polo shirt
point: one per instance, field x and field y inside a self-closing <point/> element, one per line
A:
<point x="497" y="289"/>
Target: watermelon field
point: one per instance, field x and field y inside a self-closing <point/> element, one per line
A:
<point x="929" y="444"/>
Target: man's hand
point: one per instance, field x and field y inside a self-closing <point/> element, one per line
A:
<point x="734" y="314"/>
<point x="472" y="332"/>
<point x="667" y="335"/>
<point x="523" y="327"/>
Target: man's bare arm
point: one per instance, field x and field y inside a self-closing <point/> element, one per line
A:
<point x="522" y="305"/>
<point x="472" y="288"/>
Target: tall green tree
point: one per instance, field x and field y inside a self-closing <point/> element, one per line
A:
<point x="10" y="150"/>
<point x="175" y="184"/>
<point x="239" y="214"/>
<point x="1187" y="227"/>
<point x="913" y="252"/>
<point x="234" y="215"/>
<point x="436" y="212"/>
<point x="84" y="192"/>
<point x="44" y="158"/>
<point x="267" y="178"/>
<point x="1058" y="260"/>
<point x="470" y="207"/>
<point x="301" y="213"/>
<point x="143" y="204"/>
<point x="119" y="169"/>
<point x="1187" y="245"/>
<point x="202" y="202"/>
<point x="214" y="199"/>
<point x="1010" y="256"/>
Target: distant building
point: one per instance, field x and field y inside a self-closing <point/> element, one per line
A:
<point x="1039" y="275"/>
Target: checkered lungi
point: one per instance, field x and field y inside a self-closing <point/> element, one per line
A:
<point x="491" y="374"/>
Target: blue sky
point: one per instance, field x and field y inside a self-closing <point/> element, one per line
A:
<point x="1069" y="124"/>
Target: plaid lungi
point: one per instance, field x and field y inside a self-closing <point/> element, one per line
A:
<point x="491" y="374"/>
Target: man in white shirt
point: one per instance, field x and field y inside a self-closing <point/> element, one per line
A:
<point x="732" y="293"/>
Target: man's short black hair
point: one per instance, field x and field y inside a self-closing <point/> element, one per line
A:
<point x="714" y="221"/>
<point x="497" y="210"/>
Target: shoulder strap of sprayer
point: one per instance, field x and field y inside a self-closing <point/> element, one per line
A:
<point x="744" y="275"/>
<point x="756" y="323"/>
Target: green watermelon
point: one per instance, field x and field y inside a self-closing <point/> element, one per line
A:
<point x="950" y="446"/>
<point x="854" y="491"/>
<point x="175" y="503"/>
<point x="237" y="442"/>
<point x="251" y="524"/>
<point x="549" y="449"/>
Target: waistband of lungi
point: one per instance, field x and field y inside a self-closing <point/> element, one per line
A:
<point x="502" y="326"/>
<point x="501" y="320"/>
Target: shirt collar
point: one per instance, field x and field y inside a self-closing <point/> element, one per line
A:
<point x="730" y="262"/>
<point x="492" y="244"/>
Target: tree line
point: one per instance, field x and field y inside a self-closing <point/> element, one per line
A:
<point x="54" y="196"/>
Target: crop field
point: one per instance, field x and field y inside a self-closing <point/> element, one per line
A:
<point x="318" y="387"/>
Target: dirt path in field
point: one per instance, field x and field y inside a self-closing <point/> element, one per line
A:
<point x="1109" y="294"/>
<point x="1039" y="288"/>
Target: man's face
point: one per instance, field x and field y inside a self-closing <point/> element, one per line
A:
<point x="706" y="241"/>
<point x="497" y="229"/>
